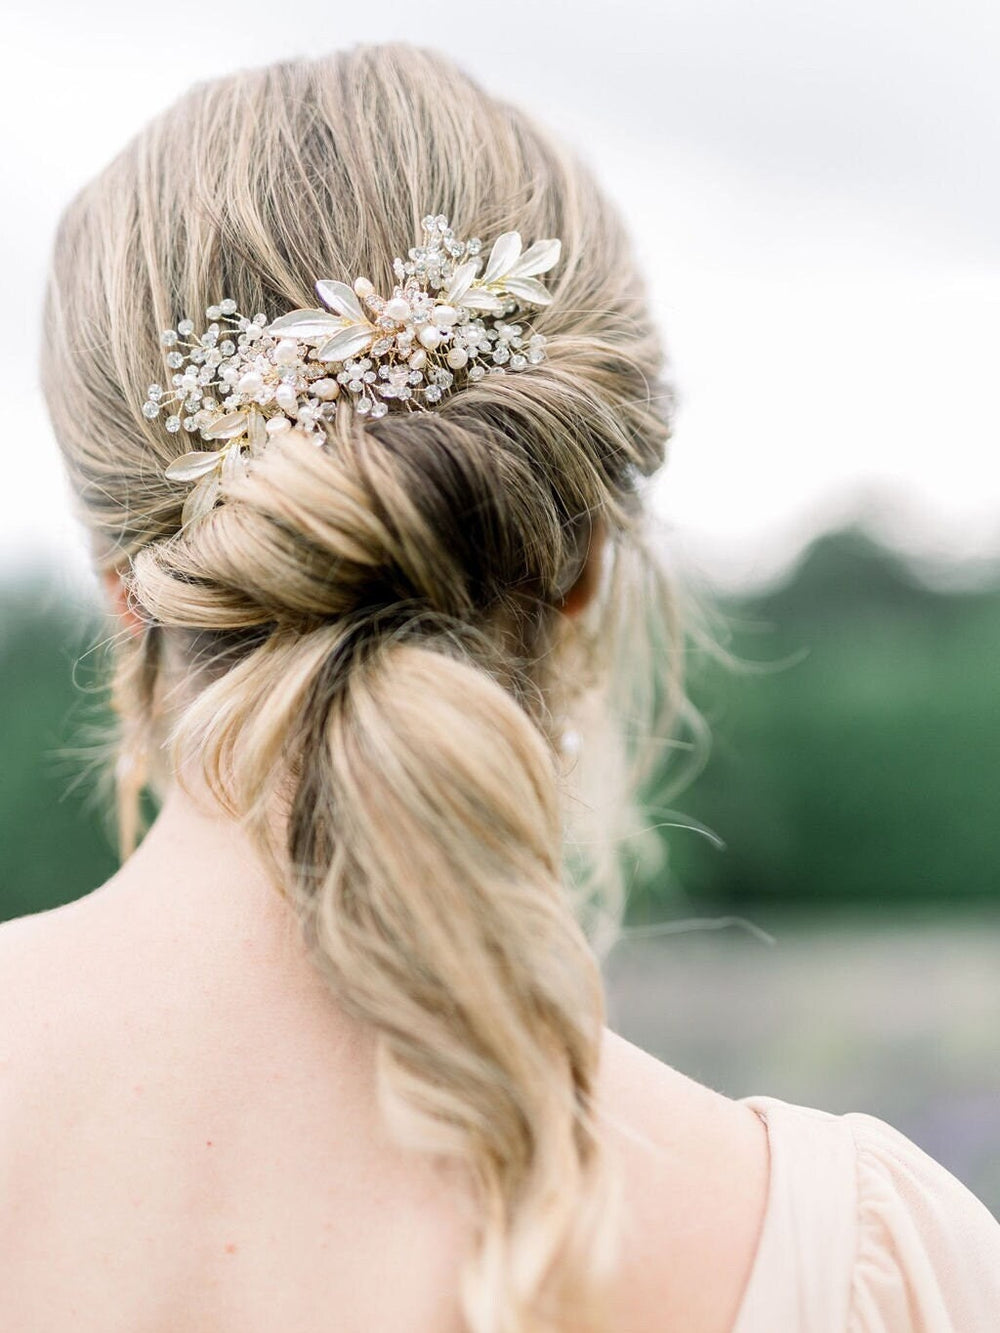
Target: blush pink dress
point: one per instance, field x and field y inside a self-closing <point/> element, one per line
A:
<point x="864" y="1233"/>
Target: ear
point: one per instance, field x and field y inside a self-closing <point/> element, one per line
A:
<point x="114" y="589"/>
<point x="583" y="590"/>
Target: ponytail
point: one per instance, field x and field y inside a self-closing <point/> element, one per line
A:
<point x="423" y="851"/>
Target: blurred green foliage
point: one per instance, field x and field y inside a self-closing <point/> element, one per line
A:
<point x="55" y="843"/>
<point x="853" y="757"/>
<point x="854" y="747"/>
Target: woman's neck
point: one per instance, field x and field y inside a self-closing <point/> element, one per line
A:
<point x="198" y="875"/>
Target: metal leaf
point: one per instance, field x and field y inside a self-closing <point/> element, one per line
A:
<point x="528" y="289"/>
<point x="538" y="258"/>
<point x="461" y="280"/>
<point x="506" y="249"/>
<point x="338" y="296"/>
<point x="189" y="467"/>
<point x="309" y="325"/>
<point x="201" y="500"/>
<point x="478" y="299"/>
<point x="256" y="431"/>
<point x="227" y="427"/>
<point x="347" y="343"/>
<point x="233" y="465"/>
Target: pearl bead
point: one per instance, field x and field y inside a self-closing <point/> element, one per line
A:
<point x="275" y="425"/>
<point x="325" y="390"/>
<point x="286" y="397"/>
<point x="457" y="357"/>
<point x="397" y="308"/>
<point x="429" y="336"/>
<point x="250" y="383"/>
<point x="363" y="287"/>
<point x="444" y="316"/>
<point x="286" y="353"/>
<point x="417" y="359"/>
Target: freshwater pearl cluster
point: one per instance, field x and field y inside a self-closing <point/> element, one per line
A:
<point x="244" y="380"/>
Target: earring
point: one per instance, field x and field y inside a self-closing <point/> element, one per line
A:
<point x="570" y="743"/>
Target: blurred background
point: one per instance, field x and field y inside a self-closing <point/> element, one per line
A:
<point x="814" y="195"/>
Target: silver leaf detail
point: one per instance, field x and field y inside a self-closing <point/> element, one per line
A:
<point x="538" y="258"/>
<point x="461" y="280"/>
<point x="478" y="299"/>
<point x="506" y="249"/>
<point x="189" y="467"/>
<point x="226" y="427"/>
<point x="201" y="500"/>
<point x="338" y="296"/>
<point x="233" y="465"/>
<point x="256" y="431"/>
<point x="528" y="289"/>
<point x="309" y="325"/>
<point x="347" y="343"/>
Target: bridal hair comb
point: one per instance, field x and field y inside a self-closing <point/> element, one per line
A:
<point x="245" y="380"/>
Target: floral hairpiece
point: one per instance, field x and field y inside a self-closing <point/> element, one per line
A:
<point x="244" y="380"/>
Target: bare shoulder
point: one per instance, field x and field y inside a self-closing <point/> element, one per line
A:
<point x="40" y="957"/>
<point x="41" y="1053"/>
<point x="65" y="978"/>
<point x="42" y="943"/>
<point x="29" y="948"/>
<point x="87" y="1035"/>
<point x="696" y="1169"/>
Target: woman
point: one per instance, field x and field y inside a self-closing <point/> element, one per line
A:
<point x="329" y="1051"/>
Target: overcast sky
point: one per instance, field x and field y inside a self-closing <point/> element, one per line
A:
<point x="812" y="188"/>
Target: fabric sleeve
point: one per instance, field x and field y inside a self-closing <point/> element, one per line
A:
<point x="928" y="1257"/>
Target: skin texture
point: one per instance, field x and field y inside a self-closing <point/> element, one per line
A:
<point x="189" y="1138"/>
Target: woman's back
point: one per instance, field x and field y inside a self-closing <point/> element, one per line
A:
<point x="360" y="620"/>
<point x="190" y="1139"/>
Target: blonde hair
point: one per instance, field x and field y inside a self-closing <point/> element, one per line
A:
<point x="373" y="631"/>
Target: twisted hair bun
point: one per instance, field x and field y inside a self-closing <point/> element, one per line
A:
<point x="372" y="631"/>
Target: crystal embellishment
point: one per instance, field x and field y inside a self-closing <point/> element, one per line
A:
<point x="448" y="321"/>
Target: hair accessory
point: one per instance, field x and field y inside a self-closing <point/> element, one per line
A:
<point x="244" y="380"/>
